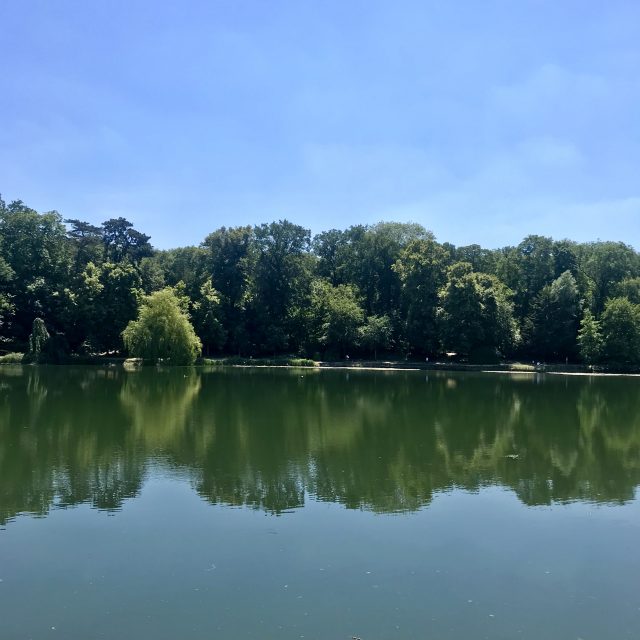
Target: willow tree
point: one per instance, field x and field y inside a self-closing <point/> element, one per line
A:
<point x="162" y="331"/>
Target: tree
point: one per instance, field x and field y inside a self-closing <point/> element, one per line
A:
<point x="231" y="256"/>
<point x="116" y="303"/>
<point x="37" y="255"/>
<point x="7" y="308"/>
<point x="162" y="331"/>
<point x="482" y="260"/>
<point x="206" y="319"/>
<point x="620" y="323"/>
<point x="151" y="274"/>
<point x="553" y="324"/>
<point x="87" y="241"/>
<point x="280" y="286"/>
<point x="604" y="264"/>
<point x="590" y="338"/>
<point x="336" y="316"/>
<point x="376" y="334"/>
<point x="38" y="339"/>
<point x="421" y="267"/>
<point x="531" y="267"/>
<point x="121" y="241"/>
<point x="628" y="288"/>
<point x="475" y="312"/>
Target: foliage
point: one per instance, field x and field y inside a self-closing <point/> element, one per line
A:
<point x="421" y="267"/>
<point x="162" y="331"/>
<point x="272" y="289"/>
<point x="475" y="311"/>
<point x="38" y="339"/>
<point x="628" y="288"/>
<point x="206" y="318"/>
<point x="376" y="334"/>
<point x="621" y="331"/>
<point x="553" y="323"/>
<point x="336" y="317"/>
<point x="12" y="358"/>
<point x="590" y="339"/>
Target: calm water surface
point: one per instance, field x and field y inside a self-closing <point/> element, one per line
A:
<point x="297" y="504"/>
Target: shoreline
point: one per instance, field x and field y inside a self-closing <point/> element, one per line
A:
<point x="510" y="368"/>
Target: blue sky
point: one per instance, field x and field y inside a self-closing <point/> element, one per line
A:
<point x="483" y="121"/>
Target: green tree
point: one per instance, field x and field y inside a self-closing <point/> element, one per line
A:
<point x="87" y="242"/>
<point x="422" y="268"/>
<point x="376" y="334"/>
<point x="37" y="254"/>
<point x="475" y="312"/>
<point x="117" y="303"/>
<point x="185" y="264"/>
<point x="336" y="317"/>
<point x="620" y="323"/>
<point x="38" y="339"/>
<point x="121" y="241"/>
<point x="526" y="269"/>
<point x="482" y="260"/>
<point x="628" y="288"/>
<point x="231" y="256"/>
<point x="206" y="319"/>
<point x="162" y="331"/>
<point x="280" y="288"/>
<point x="7" y="308"/>
<point x="604" y="264"/>
<point x="590" y="338"/>
<point x="151" y="274"/>
<point x="552" y="327"/>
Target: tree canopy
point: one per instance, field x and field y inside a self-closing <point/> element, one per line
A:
<point x="275" y="288"/>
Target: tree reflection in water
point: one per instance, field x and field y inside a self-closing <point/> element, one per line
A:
<point x="266" y="439"/>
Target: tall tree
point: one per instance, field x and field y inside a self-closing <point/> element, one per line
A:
<point x="475" y="312"/>
<point x="421" y="267"/>
<point x="37" y="256"/>
<point x="336" y="317"/>
<point x="376" y="334"/>
<point x="604" y="264"/>
<point x="207" y="322"/>
<point x="231" y="255"/>
<point x="620" y="323"/>
<point x="281" y="284"/>
<point x="121" y="241"/>
<point x="87" y="242"/>
<point x="552" y="327"/>
<point x="526" y="269"/>
<point x="590" y="338"/>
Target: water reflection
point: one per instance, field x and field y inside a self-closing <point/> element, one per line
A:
<point x="264" y="439"/>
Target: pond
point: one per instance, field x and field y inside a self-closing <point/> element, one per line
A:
<point x="287" y="504"/>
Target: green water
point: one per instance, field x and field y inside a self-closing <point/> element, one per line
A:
<point x="299" y="504"/>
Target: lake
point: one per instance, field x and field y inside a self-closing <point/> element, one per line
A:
<point x="287" y="504"/>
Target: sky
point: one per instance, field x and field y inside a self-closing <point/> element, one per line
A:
<point x="483" y="121"/>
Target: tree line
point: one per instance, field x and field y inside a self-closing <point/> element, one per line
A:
<point x="366" y="291"/>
